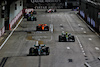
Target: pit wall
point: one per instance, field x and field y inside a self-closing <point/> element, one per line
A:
<point x="2" y="27"/>
<point x="89" y="12"/>
<point x="15" y="14"/>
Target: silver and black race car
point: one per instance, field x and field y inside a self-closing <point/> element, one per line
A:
<point x="39" y="50"/>
<point x="31" y="18"/>
<point x="66" y="38"/>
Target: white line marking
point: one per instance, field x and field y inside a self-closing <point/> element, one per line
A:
<point x="90" y="39"/>
<point x="68" y="48"/>
<point x="80" y="45"/>
<point x="84" y="31"/>
<point x="97" y="48"/>
<point x="83" y="51"/>
<point x="84" y="54"/>
<point x="87" y="64"/>
<point x="79" y="25"/>
<point x="81" y="28"/>
<point x="62" y="28"/>
<point x="11" y="33"/>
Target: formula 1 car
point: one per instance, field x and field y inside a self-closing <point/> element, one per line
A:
<point x="50" y="10"/>
<point x="66" y="38"/>
<point x="33" y="12"/>
<point x="31" y="18"/>
<point x="42" y="27"/>
<point x="30" y="13"/>
<point x="39" y="50"/>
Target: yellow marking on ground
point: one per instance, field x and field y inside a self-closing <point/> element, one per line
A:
<point x="29" y="38"/>
<point x="40" y="42"/>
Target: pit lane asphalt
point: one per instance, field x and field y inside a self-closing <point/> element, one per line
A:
<point x="17" y="47"/>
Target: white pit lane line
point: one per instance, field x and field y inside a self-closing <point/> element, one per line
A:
<point x="82" y="49"/>
<point x="11" y="33"/>
<point x="80" y="45"/>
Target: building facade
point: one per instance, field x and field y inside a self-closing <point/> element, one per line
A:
<point x="46" y="4"/>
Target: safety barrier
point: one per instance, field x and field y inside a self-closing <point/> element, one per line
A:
<point x="15" y="19"/>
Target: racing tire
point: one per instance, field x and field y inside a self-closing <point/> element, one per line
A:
<point x="31" y="51"/>
<point x="37" y="29"/>
<point x="47" y="28"/>
<point x="47" y="50"/>
<point x="46" y="11"/>
<point x="59" y="38"/>
<point x="55" y="11"/>
<point x="62" y="39"/>
<point x="73" y="38"/>
<point x="35" y="19"/>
